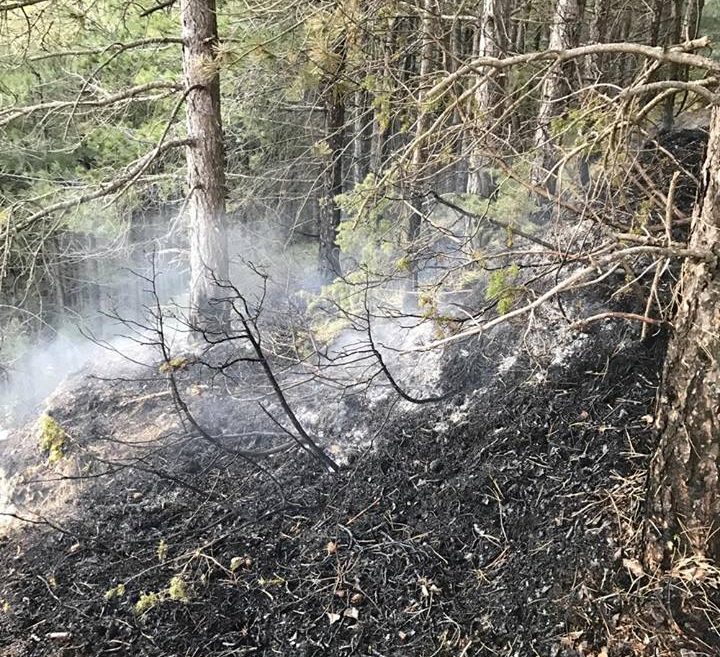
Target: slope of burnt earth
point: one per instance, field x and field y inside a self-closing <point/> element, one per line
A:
<point x="492" y="524"/>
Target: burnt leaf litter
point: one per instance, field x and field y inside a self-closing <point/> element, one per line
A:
<point x="494" y="523"/>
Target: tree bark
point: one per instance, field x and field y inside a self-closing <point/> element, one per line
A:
<point x="330" y="214"/>
<point x="419" y="159"/>
<point x="205" y="165"/>
<point x="382" y="109"/>
<point x="684" y="493"/>
<point x="362" y="134"/>
<point x="597" y="33"/>
<point x="480" y="180"/>
<point x="562" y="37"/>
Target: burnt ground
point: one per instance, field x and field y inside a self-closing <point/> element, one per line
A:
<point x="502" y="521"/>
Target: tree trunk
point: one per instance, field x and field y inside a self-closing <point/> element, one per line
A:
<point x="684" y="492"/>
<point x="383" y="100"/>
<point x="597" y="33"/>
<point x="362" y="134"/>
<point x="562" y="37"/>
<point x="480" y="180"/>
<point x="677" y="72"/>
<point x="205" y="165"/>
<point x="330" y="214"/>
<point x="420" y="152"/>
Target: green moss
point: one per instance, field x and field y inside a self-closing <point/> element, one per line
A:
<point x="174" y="364"/>
<point x="146" y="602"/>
<point x="178" y="589"/>
<point x="52" y="438"/>
<point x="115" y="592"/>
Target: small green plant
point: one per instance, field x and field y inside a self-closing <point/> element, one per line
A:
<point x="272" y="581"/>
<point x="146" y="602"/>
<point x="115" y="592"/>
<point x="52" y="438"/>
<point x="178" y="589"/>
<point x="174" y="364"/>
<point x="502" y="288"/>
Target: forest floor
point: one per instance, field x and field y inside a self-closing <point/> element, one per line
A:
<point x="501" y="521"/>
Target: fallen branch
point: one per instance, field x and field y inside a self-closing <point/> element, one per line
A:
<point x="576" y="279"/>
<point x="680" y="54"/>
<point x="580" y="324"/>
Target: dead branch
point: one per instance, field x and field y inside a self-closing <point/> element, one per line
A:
<point x="9" y="6"/>
<point x="117" y="47"/>
<point x="680" y="54"/>
<point x="581" y="324"/>
<point x="158" y="7"/>
<point x="14" y="113"/>
<point x="574" y="280"/>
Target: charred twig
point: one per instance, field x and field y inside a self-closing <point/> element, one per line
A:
<point x="248" y="320"/>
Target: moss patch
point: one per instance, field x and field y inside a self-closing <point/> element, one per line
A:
<point x="52" y="438"/>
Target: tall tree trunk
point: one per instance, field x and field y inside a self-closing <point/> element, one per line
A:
<point x="330" y="214"/>
<point x="205" y="165"/>
<point x="420" y="152"/>
<point x="362" y="134"/>
<point x="382" y="102"/>
<point x="684" y="491"/>
<point x="562" y="37"/>
<point x="677" y="72"/>
<point x="480" y="180"/>
<point x="597" y="33"/>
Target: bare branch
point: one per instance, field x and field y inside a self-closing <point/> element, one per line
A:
<point x="9" y="6"/>
<point x="573" y="280"/>
<point x="579" y="325"/>
<point x="163" y="5"/>
<point x="15" y="113"/>
<point x="680" y="54"/>
<point x="116" y="47"/>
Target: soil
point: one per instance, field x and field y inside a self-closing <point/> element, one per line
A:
<point x="501" y="521"/>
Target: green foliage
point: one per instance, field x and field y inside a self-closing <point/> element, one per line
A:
<point x="68" y="53"/>
<point x="503" y="289"/>
<point x="146" y="602"/>
<point x="115" y="593"/>
<point x="471" y="275"/>
<point x="175" y="364"/>
<point x="52" y="438"/>
<point x="177" y="590"/>
<point x="325" y="331"/>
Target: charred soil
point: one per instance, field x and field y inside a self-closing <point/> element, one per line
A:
<point x="501" y="521"/>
